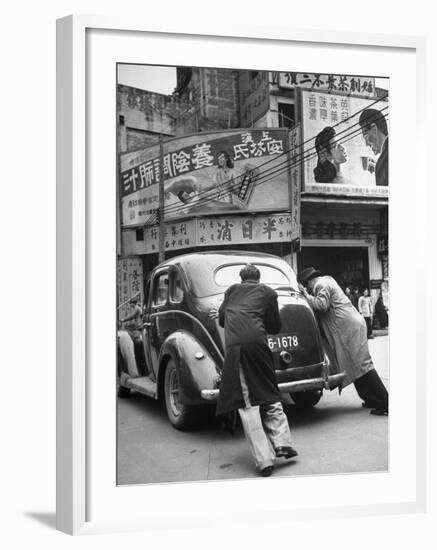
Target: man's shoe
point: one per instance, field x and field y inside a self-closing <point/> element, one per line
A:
<point x="369" y="405"/>
<point x="285" y="452"/>
<point x="379" y="412"/>
<point x="267" y="471"/>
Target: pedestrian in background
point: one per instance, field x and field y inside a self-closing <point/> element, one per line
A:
<point x="366" y="309"/>
<point x="134" y="325"/>
<point x="355" y="297"/>
<point x="134" y="321"/>
<point x="348" y="292"/>
<point x="248" y="313"/>
<point x="381" y="312"/>
<point x="345" y="332"/>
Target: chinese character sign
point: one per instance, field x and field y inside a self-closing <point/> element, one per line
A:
<point x="230" y="230"/>
<point x="224" y="231"/>
<point x="338" y="158"/>
<point x="177" y="235"/>
<point x="130" y="282"/>
<point x="207" y="172"/>
<point x="356" y="85"/>
<point x="296" y="163"/>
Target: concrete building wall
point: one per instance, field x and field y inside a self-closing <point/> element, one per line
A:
<point x="215" y="92"/>
<point x="143" y="116"/>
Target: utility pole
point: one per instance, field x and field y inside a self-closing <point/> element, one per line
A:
<point x="161" y="249"/>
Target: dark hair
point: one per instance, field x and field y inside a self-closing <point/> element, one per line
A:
<point x="229" y="161"/>
<point x="323" y="138"/>
<point x="250" y="271"/>
<point x="324" y="172"/>
<point x="373" y="116"/>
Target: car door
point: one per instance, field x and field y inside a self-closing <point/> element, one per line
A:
<point x="155" y="323"/>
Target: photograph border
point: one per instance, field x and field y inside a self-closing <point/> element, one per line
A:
<point x="72" y="299"/>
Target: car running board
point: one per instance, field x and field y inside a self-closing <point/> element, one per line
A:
<point x="143" y="385"/>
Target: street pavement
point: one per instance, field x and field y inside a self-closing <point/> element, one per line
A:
<point x="337" y="436"/>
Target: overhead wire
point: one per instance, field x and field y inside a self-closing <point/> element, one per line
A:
<point x="275" y="158"/>
<point x="211" y="194"/>
<point x="304" y="155"/>
<point x="343" y="121"/>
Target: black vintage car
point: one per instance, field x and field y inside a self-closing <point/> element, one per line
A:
<point x="180" y="356"/>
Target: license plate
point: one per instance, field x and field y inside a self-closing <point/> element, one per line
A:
<point x="282" y="342"/>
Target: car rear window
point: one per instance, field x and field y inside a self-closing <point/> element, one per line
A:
<point x="227" y="275"/>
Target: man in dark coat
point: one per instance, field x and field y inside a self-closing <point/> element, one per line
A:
<point x="248" y="313"/>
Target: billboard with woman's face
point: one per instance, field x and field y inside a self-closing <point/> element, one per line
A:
<point x="229" y="171"/>
<point x="338" y="156"/>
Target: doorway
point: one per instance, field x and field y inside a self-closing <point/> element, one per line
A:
<point x="348" y="265"/>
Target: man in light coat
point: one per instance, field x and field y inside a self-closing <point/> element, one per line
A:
<point x="346" y="334"/>
<point x="248" y="313"/>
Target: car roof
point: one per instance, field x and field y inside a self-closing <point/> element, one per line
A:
<point x="217" y="257"/>
<point x="199" y="267"/>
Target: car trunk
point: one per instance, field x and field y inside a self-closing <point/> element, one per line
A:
<point x="299" y="336"/>
<point x="298" y="344"/>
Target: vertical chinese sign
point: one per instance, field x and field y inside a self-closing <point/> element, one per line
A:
<point x="295" y="156"/>
<point x="130" y="283"/>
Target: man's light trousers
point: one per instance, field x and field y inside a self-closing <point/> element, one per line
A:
<point x="265" y="427"/>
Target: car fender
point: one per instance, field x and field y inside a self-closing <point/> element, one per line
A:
<point x="126" y="350"/>
<point x="196" y="367"/>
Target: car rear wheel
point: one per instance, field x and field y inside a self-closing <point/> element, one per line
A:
<point x="181" y="416"/>
<point x="305" y="400"/>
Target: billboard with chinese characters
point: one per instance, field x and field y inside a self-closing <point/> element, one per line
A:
<point x="337" y="157"/>
<point x="239" y="170"/>
<point x="357" y="85"/>
<point x="130" y="283"/>
<point x="223" y="230"/>
<point x="295" y="143"/>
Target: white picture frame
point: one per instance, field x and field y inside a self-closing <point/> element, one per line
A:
<point x="78" y="423"/>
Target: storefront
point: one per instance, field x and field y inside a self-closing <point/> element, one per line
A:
<point x="344" y="240"/>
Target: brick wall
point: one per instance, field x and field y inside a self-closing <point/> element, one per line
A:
<point x="214" y="92"/>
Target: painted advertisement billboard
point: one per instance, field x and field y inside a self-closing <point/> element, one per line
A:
<point x="338" y="156"/>
<point x="230" y="171"/>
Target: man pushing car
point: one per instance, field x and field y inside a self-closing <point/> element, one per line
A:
<point x="248" y="313"/>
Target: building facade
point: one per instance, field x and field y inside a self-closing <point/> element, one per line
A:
<point x="344" y="222"/>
